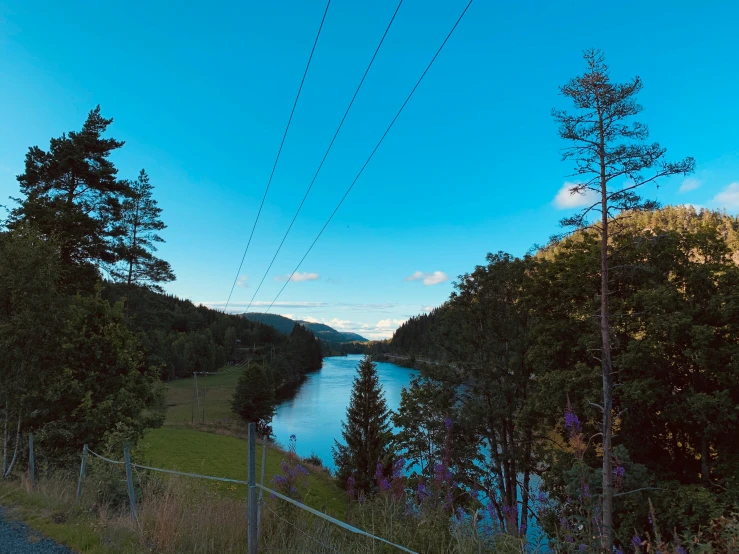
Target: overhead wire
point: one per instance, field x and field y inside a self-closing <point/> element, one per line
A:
<point x="279" y="151"/>
<point x="328" y="150"/>
<point x="382" y="138"/>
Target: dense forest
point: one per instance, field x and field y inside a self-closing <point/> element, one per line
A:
<point x="519" y="339"/>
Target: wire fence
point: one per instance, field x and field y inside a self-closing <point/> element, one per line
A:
<point x="255" y="503"/>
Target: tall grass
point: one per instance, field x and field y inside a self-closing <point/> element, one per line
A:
<point x="181" y="515"/>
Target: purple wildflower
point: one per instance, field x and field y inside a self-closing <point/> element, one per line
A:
<point x="362" y="498"/>
<point x="619" y="551"/>
<point x="583" y="548"/>
<point x="350" y="484"/>
<point x="300" y="469"/>
<point x="398" y="467"/>
<point x="448" y="423"/>
<point x="680" y="550"/>
<point x="619" y="471"/>
<point x="586" y="491"/>
<point x="572" y="422"/>
<point x="636" y="541"/>
<point x="460" y="514"/>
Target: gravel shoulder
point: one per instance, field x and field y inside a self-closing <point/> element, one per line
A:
<point x="17" y="538"/>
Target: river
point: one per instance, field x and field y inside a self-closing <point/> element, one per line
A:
<point x="316" y="409"/>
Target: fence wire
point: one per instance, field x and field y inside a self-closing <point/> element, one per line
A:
<point x="300" y="505"/>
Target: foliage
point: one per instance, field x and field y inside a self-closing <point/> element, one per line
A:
<point x="366" y="431"/>
<point x="101" y="384"/>
<point x="134" y="248"/>
<point x="427" y="431"/>
<point x="71" y="192"/>
<point x="254" y="397"/>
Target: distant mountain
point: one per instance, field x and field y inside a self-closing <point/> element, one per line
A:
<point x="285" y="326"/>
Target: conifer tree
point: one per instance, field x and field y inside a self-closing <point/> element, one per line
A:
<point x="366" y="430"/>
<point x="71" y="192"/>
<point x="134" y="250"/>
<point x="611" y="156"/>
<point x="254" y="397"/>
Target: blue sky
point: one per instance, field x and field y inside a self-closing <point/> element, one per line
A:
<point x="201" y="94"/>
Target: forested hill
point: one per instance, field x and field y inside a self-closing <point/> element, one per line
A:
<point x="285" y="326"/>
<point x="181" y="337"/>
<point x="416" y="336"/>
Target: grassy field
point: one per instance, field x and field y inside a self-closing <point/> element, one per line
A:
<point x="215" y="398"/>
<point x="209" y="451"/>
<point x="193" y="451"/>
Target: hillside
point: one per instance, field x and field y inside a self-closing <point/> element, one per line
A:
<point x="285" y="326"/>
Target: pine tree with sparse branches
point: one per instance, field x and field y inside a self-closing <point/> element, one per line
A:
<point x="611" y="157"/>
<point x="140" y="221"/>
<point x="366" y="430"/>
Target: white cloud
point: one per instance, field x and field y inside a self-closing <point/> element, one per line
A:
<point x="690" y="183"/>
<point x="428" y="308"/>
<point x="337" y="323"/>
<point x="289" y="316"/>
<point x="310" y="319"/>
<point x="241" y="281"/>
<point x="298" y="277"/>
<point x="729" y="197"/>
<point x="428" y="279"/>
<point x="390" y="323"/>
<point x="565" y="200"/>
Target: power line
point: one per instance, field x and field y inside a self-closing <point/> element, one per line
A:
<point x="346" y="113"/>
<point x="279" y="151"/>
<point x="372" y="154"/>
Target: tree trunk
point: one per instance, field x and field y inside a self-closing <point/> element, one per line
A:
<point x="525" y="487"/>
<point x="705" y="470"/>
<point x="606" y="365"/>
<point x="131" y="260"/>
<point x="15" y="450"/>
<point x="5" y="440"/>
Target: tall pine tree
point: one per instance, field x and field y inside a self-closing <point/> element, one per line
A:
<point x="611" y="157"/>
<point x="136" y="264"/>
<point x="366" y="430"/>
<point x="71" y="192"/>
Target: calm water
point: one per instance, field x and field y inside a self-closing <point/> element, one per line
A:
<point x="315" y="413"/>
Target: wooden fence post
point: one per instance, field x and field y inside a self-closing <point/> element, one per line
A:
<point x="252" y="528"/>
<point x="82" y="471"/>
<point x="129" y="482"/>
<point x="31" y="462"/>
